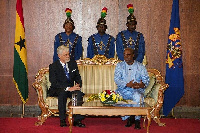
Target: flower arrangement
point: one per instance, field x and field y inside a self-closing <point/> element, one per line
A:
<point x="106" y="97"/>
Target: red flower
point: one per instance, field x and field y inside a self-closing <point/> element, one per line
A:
<point x="109" y="92"/>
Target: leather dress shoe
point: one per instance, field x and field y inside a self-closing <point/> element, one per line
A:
<point x="130" y="121"/>
<point x="137" y="124"/>
<point x="63" y="123"/>
<point x="78" y="124"/>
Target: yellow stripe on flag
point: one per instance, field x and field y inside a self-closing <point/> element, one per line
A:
<point x="19" y="32"/>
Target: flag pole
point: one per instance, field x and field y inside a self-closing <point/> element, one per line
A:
<point x="23" y="110"/>
<point x="173" y="113"/>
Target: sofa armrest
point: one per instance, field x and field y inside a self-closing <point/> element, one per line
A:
<point x="157" y="93"/>
<point x="40" y="86"/>
<point x="156" y="84"/>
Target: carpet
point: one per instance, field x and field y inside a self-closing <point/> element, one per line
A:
<point x="96" y="125"/>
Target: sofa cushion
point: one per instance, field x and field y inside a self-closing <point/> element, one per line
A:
<point x="45" y="83"/>
<point x="154" y="93"/>
<point x="152" y="82"/>
<point x="52" y="102"/>
<point x="150" y="101"/>
<point x="47" y="80"/>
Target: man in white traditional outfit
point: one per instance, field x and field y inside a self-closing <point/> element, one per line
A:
<point x="131" y="78"/>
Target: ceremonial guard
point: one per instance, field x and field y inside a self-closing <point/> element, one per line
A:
<point x="68" y="38"/>
<point x="101" y="43"/>
<point x="130" y="38"/>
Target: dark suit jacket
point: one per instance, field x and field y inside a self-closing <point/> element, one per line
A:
<point x="58" y="78"/>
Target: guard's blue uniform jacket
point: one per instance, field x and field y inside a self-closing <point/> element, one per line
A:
<point x="74" y="41"/>
<point x="102" y="45"/>
<point x="134" y="40"/>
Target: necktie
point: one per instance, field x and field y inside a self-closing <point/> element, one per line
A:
<point x="66" y="72"/>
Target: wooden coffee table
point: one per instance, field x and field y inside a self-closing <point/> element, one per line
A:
<point x="96" y="108"/>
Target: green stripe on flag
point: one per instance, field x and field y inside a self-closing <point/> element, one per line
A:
<point x="20" y="77"/>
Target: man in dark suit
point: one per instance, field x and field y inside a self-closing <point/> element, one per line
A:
<point x="62" y="75"/>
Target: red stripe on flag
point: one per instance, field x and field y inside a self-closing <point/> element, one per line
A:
<point x="19" y="10"/>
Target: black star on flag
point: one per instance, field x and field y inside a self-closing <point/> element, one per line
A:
<point x="21" y="43"/>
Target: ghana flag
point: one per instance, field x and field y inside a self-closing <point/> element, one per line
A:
<point x="20" y="69"/>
